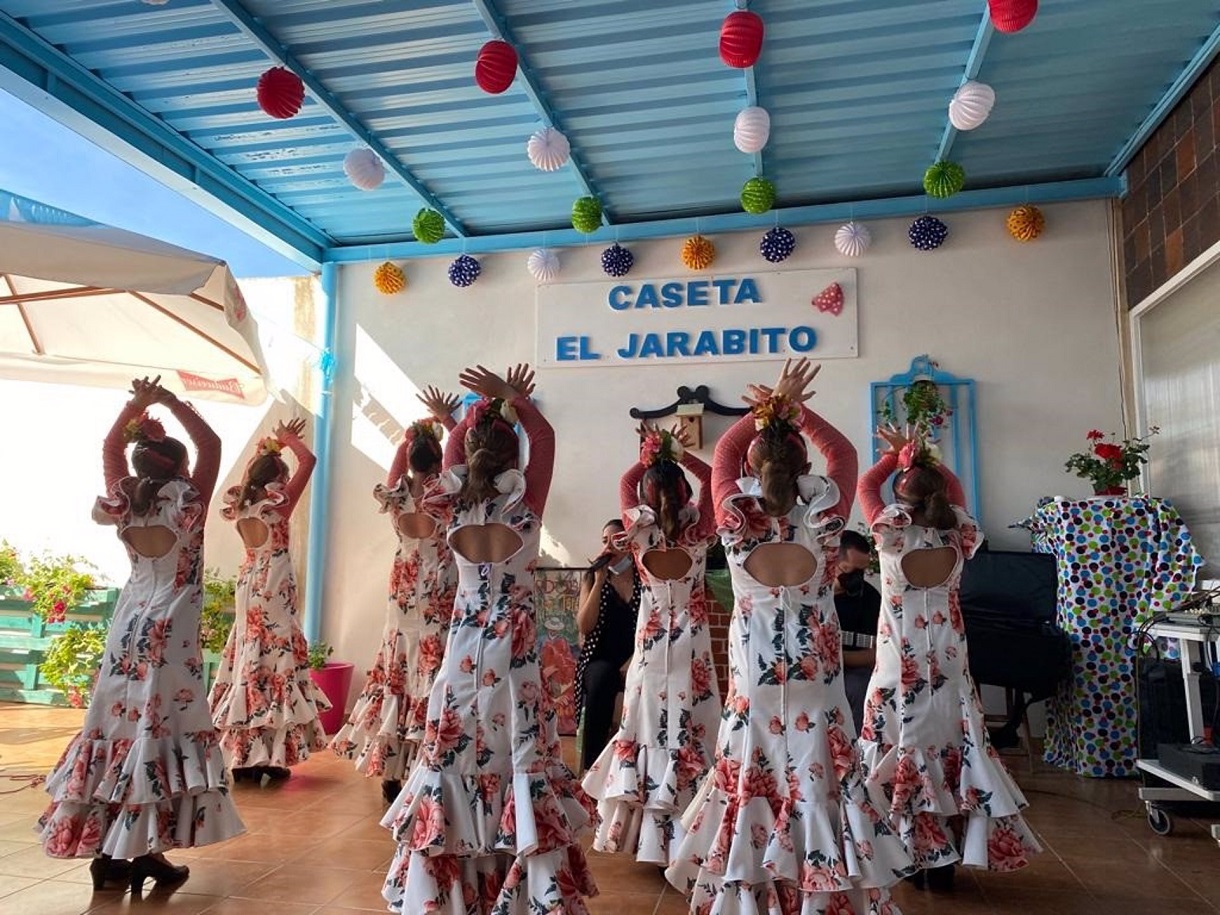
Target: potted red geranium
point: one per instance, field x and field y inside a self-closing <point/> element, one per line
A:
<point x="1108" y="465"/>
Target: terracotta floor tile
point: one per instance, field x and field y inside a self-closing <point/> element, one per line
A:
<point x="177" y="901"/>
<point x="352" y="854"/>
<point x="8" y="846"/>
<point x="51" y="897"/>
<point x="20" y="829"/>
<point x="13" y="884"/>
<point x="617" y="903"/>
<point x="213" y="877"/>
<point x="369" y="830"/>
<point x="246" y="907"/>
<point x="1137" y="880"/>
<point x="33" y="862"/>
<point x="297" y="883"/>
<point x="258" y="847"/>
<point x="364" y="894"/>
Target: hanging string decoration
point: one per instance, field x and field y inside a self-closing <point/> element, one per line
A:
<point x="543" y="265"/>
<point x="464" y="270"/>
<point x="777" y="245"/>
<point x="944" y="179"/>
<point x="751" y="129"/>
<point x="1026" y="223"/>
<point x="741" y="38"/>
<point x="428" y="226"/>
<point x="617" y="260"/>
<point x="548" y="149"/>
<point x="280" y="93"/>
<point x="698" y="253"/>
<point x="389" y="279"/>
<point x="1012" y="15"/>
<point x="586" y="215"/>
<point x="496" y="66"/>
<point x="927" y="233"/>
<point x="971" y="105"/>
<point x="757" y="196"/>
<point x="363" y="168"/>
<point x="853" y="239"/>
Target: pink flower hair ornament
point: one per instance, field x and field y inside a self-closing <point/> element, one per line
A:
<point x="660" y="445"/>
<point x="423" y="428"/>
<point x="268" y="445"/>
<point x="144" y="429"/>
<point x="918" y="452"/>
<point x="486" y="410"/>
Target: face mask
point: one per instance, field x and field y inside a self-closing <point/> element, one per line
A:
<point x="621" y="565"/>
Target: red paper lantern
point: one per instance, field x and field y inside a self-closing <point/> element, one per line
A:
<point x="280" y="93"/>
<point x="1012" y="15"/>
<point x="496" y="67"/>
<point x="741" y="38"/>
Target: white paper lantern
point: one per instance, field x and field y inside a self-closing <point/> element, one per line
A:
<point x="853" y="239"/>
<point x="752" y="129"/>
<point x="548" y="149"/>
<point x="363" y="168"/>
<point x="543" y="264"/>
<point x="971" y="105"/>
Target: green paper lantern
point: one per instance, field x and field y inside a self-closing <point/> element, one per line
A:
<point x="944" y="179"/>
<point x="428" y="226"/>
<point x="587" y="215"/>
<point x="757" y="196"/>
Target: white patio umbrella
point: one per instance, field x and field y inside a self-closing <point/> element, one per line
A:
<point x="85" y="303"/>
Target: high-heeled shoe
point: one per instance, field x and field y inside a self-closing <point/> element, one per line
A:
<point x="390" y="789"/>
<point x="917" y="879"/>
<point x="161" y="871"/>
<point x="940" y="879"/>
<point x="105" y="869"/>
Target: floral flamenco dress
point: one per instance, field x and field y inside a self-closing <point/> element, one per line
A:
<point x="923" y="740"/>
<point x="146" y="774"/>
<point x="784" y="824"/>
<point x="263" y="701"/>
<point x="489" y="818"/>
<point x="648" y="774"/>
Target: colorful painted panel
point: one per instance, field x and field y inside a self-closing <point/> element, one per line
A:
<point x="558" y="641"/>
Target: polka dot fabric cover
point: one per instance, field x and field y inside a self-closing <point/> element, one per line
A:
<point x="1120" y="561"/>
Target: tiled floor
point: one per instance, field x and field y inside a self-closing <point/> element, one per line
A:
<point x="314" y="846"/>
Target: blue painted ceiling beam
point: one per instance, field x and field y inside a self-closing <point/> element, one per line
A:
<point x="974" y="64"/>
<point x="497" y="25"/>
<point x="751" y="93"/>
<point x="278" y="52"/>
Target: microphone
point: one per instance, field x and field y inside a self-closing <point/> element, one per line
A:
<point x="601" y="562"/>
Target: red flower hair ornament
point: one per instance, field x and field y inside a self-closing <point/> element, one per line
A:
<point x="143" y="429"/>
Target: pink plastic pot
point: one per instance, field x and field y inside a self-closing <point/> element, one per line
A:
<point x="335" y="679"/>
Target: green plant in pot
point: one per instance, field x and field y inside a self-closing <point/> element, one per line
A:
<point x="53" y="585"/>
<point x="334" y="678"/>
<point x="73" y="660"/>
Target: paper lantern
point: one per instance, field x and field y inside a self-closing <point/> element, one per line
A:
<point x="927" y="233"/>
<point x="280" y="93"/>
<point x="1012" y="15"/>
<point x="752" y="129"/>
<point x="543" y="265"/>
<point x="853" y="239"/>
<point x="586" y="215"/>
<point x="830" y="300"/>
<point x="428" y="226"/>
<point x="757" y="196"/>
<point x="548" y="149"/>
<point x="617" y="260"/>
<point x="944" y="179"/>
<point x="698" y="253"/>
<point x="1026" y="223"/>
<point x="741" y="38"/>
<point x="496" y="66"/>
<point x="363" y="168"/>
<point x="389" y="279"/>
<point x="971" y="104"/>
<point x="777" y="245"/>
<point x="464" y="270"/>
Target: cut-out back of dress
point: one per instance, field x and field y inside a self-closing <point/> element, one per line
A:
<point x="780" y="565"/>
<point x="152" y="542"/>
<point x="253" y="532"/>
<point x="929" y="567"/>
<point x="494" y="542"/>
<point x="416" y="525"/>
<point x="667" y="564"/>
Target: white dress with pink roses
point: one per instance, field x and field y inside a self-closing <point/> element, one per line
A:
<point x="784" y="824"/>
<point x="923" y="740"/>
<point x="649" y="772"/>
<point x="386" y="725"/>
<point x="264" y="702"/>
<point x="146" y="773"/>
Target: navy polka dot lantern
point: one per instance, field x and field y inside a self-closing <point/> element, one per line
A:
<point x="927" y="233"/>
<point x="464" y="270"/>
<point x="617" y="260"/>
<point x="777" y="245"/>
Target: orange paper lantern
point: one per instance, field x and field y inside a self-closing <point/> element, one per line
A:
<point x="496" y="66"/>
<point x="280" y="93"/>
<point x="1026" y="223"/>
<point x="389" y="279"/>
<point x="698" y="253"/>
<point x="741" y="38"/>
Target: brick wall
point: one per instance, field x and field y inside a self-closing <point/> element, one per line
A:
<point x="718" y="623"/>
<point x="1172" y="210"/>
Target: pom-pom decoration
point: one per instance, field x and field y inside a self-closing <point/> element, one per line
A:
<point x="971" y="105"/>
<point x="1012" y="15"/>
<point x="830" y="300"/>
<point x="543" y="265"/>
<point x="586" y="215"/>
<point x="280" y="93"/>
<point x="944" y="179"/>
<point x="927" y="233"/>
<point x="428" y="226"/>
<point x="757" y="196"/>
<point x="617" y="260"/>
<point x="698" y="253"/>
<point x="853" y="239"/>
<point x="751" y="129"/>
<point x="389" y="279"/>
<point x="363" y="168"/>
<point x="777" y="245"/>
<point x="548" y="149"/>
<point x="1026" y="223"/>
<point x="741" y="38"/>
<point x="464" y="270"/>
<point x="496" y="66"/>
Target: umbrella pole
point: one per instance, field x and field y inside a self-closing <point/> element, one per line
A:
<point x="319" y="502"/>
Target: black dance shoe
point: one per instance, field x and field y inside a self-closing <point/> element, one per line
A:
<point x="105" y="869"/>
<point x="276" y="773"/>
<point x="940" y="879"/>
<point x="161" y="871"/>
<point x="390" y="788"/>
<point x="917" y="879"/>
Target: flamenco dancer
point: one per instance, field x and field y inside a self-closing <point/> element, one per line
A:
<point x="649" y="773"/>
<point x="923" y="740"/>
<point x="263" y="701"/>
<point x="784" y="824"/>
<point x="146" y="773"/>
<point x="489" y="817"/>
<point x="387" y="723"/>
